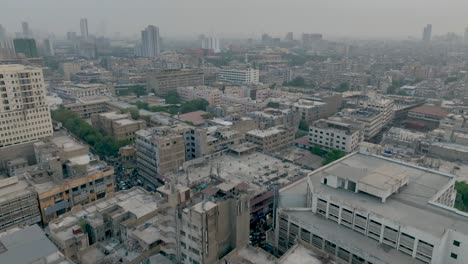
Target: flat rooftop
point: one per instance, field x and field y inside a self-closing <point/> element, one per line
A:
<point x="409" y="207"/>
<point x="256" y="169"/>
<point x="265" y="132"/>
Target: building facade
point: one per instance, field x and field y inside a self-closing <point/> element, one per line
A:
<point x="271" y="139"/>
<point x="241" y="76"/>
<point x="24" y="113"/>
<point x="163" y="81"/>
<point x="329" y="134"/>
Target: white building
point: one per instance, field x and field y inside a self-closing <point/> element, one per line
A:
<point x="365" y="208"/>
<point x="150" y="42"/>
<point x="236" y="75"/>
<point x="211" y="43"/>
<point x="24" y="113"/>
<point x="329" y="134"/>
<point x="80" y="91"/>
<point x="84" y="28"/>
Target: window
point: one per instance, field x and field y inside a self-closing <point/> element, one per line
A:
<point x="456" y="243"/>
<point x="453" y="255"/>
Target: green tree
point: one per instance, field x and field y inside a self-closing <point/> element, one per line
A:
<point x="333" y="155"/>
<point x="461" y="202"/>
<point x="194" y="105"/>
<point x="342" y="87"/>
<point x="303" y="125"/>
<point x="273" y="105"/>
<point x="172" y="97"/>
<point x="297" y="82"/>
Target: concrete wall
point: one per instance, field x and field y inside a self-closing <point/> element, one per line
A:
<point x="18" y="151"/>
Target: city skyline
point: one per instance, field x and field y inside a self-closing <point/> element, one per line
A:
<point x="397" y="19"/>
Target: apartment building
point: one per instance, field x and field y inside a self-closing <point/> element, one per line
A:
<point x="65" y="176"/>
<point x="373" y="120"/>
<point x="158" y="151"/>
<point x="86" y="107"/>
<point x="209" y="94"/>
<point x="18" y="204"/>
<point x="162" y="81"/>
<point x="271" y="117"/>
<point x="271" y="139"/>
<point x="365" y="208"/>
<point x="244" y="104"/>
<point x="383" y="105"/>
<point x="80" y="91"/>
<point x="213" y="140"/>
<point x="24" y="113"/>
<point x="238" y="75"/>
<point x="308" y="110"/>
<point x="336" y="133"/>
<point x="120" y="126"/>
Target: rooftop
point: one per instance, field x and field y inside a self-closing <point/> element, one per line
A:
<point x="409" y="207"/>
<point x="266" y="132"/>
<point x="196" y="118"/>
<point x="430" y="110"/>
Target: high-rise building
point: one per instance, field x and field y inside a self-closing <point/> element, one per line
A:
<point x="24" y="114"/>
<point x="25" y="46"/>
<point x="2" y="33"/>
<point x="150" y="42"/>
<point x="49" y="47"/>
<point x="427" y="33"/>
<point x="26" y="30"/>
<point x="7" y="49"/>
<point x="84" y="28"/>
<point x="466" y="35"/>
<point x="210" y="43"/>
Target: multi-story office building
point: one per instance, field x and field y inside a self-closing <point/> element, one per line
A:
<point x="210" y="94"/>
<point x="80" y="91"/>
<point x="215" y="140"/>
<point x="26" y="47"/>
<point x="373" y="120"/>
<point x="162" y="81"/>
<point x="271" y="139"/>
<point x="307" y="110"/>
<point x="86" y="107"/>
<point x="239" y="75"/>
<point x="26" y="30"/>
<point x="335" y="133"/>
<point x="24" y="113"/>
<point x="84" y="28"/>
<point x="365" y="208"/>
<point x="150" y="42"/>
<point x="66" y="175"/>
<point x="18" y="204"/>
<point x="210" y="43"/>
<point x="158" y="151"/>
<point x="427" y="33"/>
<point x="119" y="126"/>
<point x="271" y="117"/>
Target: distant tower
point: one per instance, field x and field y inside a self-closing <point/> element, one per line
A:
<point x="150" y="42"/>
<point x="26" y="30"/>
<point x="84" y="28"/>
<point x="49" y="47"/>
<point x="289" y="36"/>
<point x="427" y="33"/>
<point x="466" y="35"/>
<point x="211" y="43"/>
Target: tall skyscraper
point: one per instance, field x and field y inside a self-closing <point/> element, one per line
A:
<point x="24" y="114"/>
<point x="7" y="49"/>
<point x="26" y="46"/>
<point x="150" y="42"/>
<point x="2" y="33"/>
<point x="210" y="43"/>
<point x="427" y="33"/>
<point x="26" y="30"/>
<point x="84" y="28"/>
<point x="49" y="47"/>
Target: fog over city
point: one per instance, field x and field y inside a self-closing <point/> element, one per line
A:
<point x="246" y="18"/>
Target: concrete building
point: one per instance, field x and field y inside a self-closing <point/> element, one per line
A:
<point x="80" y="91"/>
<point x="365" y="208"/>
<point x="29" y="245"/>
<point x="150" y="42"/>
<point x="239" y="75"/>
<point x="210" y="43"/>
<point x="86" y="107"/>
<point x="79" y="232"/>
<point x="162" y="81"/>
<point x="209" y="94"/>
<point x="427" y="33"/>
<point x="271" y="139"/>
<point x="336" y="133"/>
<point x="214" y="140"/>
<point x="373" y="120"/>
<point x="24" y="113"/>
<point x="241" y="106"/>
<point x="84" y="28"/>
<point x="158" y="152"/>
<point x="307" y="110"/>
<point x="426" y="116"/>
<point x="25" y="47"/>
<point x="69" y="69"/>
<point x="120" y="126"/>
<point x="66" y="176"/>
<point x="18" y="204"/>
<point x="271" y="117"/>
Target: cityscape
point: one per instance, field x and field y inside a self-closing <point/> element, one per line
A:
<point x="186" y="143"/>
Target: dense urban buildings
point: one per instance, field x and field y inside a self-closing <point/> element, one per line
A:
<point x="162" y="81"/>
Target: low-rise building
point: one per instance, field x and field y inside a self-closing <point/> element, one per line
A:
<point x="426" y="116"/>
<point x="162" y="81"/>
<point x="336" y="133"/>
<point x="239" y="75"/>
<point x="209" y="94"/>
<point x="308" y="110"/>
<point x="271" y="117"/>
<point x="80" y="91"/>
<point x="120" y="126"/>
<point x="86" y="107"/>
<point x="214" y="140"/>
<point x="271" y="139"/>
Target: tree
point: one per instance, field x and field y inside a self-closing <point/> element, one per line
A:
<point x="342" y="87"/>
<point x="273" y="105"/>
<point x="461" y="202"/>
<point x="172" y="97"/>
<point x="297" y="82"/>
<point x="194" y="105"/>
<point x="333" y="155"/>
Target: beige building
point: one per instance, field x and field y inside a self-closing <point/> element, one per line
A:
<point x="119" y="126"/>
<point x="163" y="81"/>
<point x="88" y="106"/>
<point x="80" y="91"/>
<point x="18" y="204"/>
<point x="66" y="176"/>
<point x="158" y="151"/>
<point x="336" y="133"/>
<point x="271" y="139"/>
<point x="210" y="94"/>
<point x="24" y="113"/>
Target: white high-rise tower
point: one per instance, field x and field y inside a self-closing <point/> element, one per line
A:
<point x="150" y="41"/>
<point x="84" y="28"/>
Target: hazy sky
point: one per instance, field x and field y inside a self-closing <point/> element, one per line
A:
<point x="379" y="18"/>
